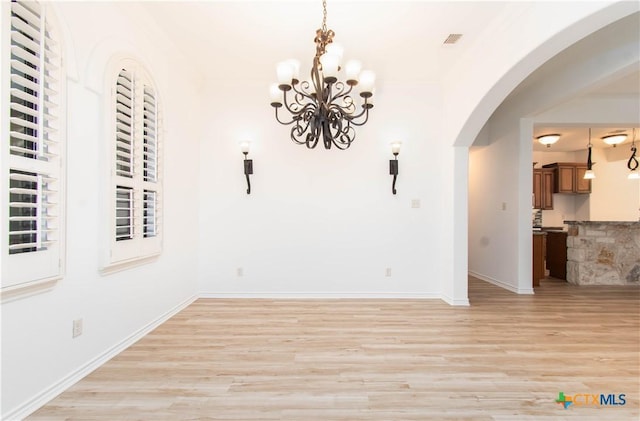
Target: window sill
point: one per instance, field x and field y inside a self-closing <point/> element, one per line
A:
<point x="27" y="289"/>
<point x="128" y="264"/>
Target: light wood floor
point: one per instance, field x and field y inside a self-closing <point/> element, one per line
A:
<point x="504" y="358"/>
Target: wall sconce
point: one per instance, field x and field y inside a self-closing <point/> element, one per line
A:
<point x="248" y="164"/>
<point x="393" y="164"/>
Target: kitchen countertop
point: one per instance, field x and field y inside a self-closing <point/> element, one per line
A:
<point x="623" y="223"/>
<point x="554" y="229"/>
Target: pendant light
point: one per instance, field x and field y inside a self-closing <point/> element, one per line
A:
<point x="589" y="174"/>
<point x="633" y="164"/>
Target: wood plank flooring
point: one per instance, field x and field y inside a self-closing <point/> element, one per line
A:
<point x="504" y="358"/>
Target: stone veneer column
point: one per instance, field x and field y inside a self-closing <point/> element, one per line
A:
<point x="603" y="253"/>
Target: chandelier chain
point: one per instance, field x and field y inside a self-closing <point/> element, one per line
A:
<point x="324" y="15"/>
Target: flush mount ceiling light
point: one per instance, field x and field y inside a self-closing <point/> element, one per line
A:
<point x="548" y="139"/>
<point x="325" y="106"/>
<point x="614" y="139"/>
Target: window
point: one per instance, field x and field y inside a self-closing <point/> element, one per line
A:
<point x="33" y="148"/>
<point x="136" y="187"/>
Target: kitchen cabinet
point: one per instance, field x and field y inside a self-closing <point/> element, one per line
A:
<point x="543" y="189"/>
<point x="568" y="177"/>
<point x="539" y="244"/>
<point x="557" y="254"/>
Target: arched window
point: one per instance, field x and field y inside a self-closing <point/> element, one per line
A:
<point x="33" y="150"/>
<point x="136" y="184"/>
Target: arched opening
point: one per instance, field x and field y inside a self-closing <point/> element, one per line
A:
<point x="471" y="129"/>
<point x="500" y="173"/>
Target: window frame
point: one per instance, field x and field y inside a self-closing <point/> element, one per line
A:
<point x="34" y="270"/>
<point x="124" y="253"/>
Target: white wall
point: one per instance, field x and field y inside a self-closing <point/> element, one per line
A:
<point x="321" y="222"/>
<point x="493" y="182"/>
<point x="37" y="349"/>
<point x="613" y="197"/>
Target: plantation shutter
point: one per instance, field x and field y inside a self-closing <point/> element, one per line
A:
<point x="136" y="167"/>
<point x="34" y="147"/>
<point x="124" y="125"/>
<point x="149" y="136"/>
<point x="151" y="208"/>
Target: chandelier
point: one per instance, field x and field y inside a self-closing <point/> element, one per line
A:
<point x="324" y="107"/>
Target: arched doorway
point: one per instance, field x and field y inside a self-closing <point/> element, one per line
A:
<point x="488" y="102"/>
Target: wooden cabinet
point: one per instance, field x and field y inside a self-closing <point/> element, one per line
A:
<point x="557" y="254"/>
<point x="543" y="189"/>
<point x="539" y="244"/>
<point x="568" y="177"/>
<point x="582" y="185"/>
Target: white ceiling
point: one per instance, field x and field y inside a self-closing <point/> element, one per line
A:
<point x="396" y="39"/>
<point x="576" y="138"/>
<point x="244" y="40"/>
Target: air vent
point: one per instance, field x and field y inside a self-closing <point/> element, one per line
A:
<point x="452" y="38"/>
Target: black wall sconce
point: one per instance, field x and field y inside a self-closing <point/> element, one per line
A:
<point x="393" y="164"/>
<point x="248" y="164"/>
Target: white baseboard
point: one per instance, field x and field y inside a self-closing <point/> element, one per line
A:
<point x="455" y="302"/>
<point x="319" y="295"/>
<point x="501" y="284"/>
<point x="48" y="394"/>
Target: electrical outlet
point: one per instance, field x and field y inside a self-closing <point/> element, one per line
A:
<point x="415" y="203"/>
<point x="239" y="272"/>
<point x="504" y="206"/>
<point x="77" y="328"/>
<point x="387" y="272"/>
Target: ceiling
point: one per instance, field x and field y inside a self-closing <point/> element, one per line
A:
<point x="577" y="138"/>
<point x="574" y="138"/>
<point x="243" y="40"/>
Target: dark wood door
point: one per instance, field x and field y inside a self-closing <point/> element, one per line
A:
<point x="557" y="254"/>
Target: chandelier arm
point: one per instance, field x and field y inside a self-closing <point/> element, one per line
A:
<point x="343" y="144"/>
<point x="285" y="123"/>
<point x="298" y="130"/>
<point x="343" y="110"/>
<point x="313" y="136"/>
<point x="294" y="137"/>
<point x="298" y="103"/>
<point x="345" y="138"/>
<point x="352" y="120"/>
<point x="305" y="109"/>
<point x="341" y="137"/>
<point x="302" y="91"/>
<point x="365" y="111"/>
<point x="340" y="91"/>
